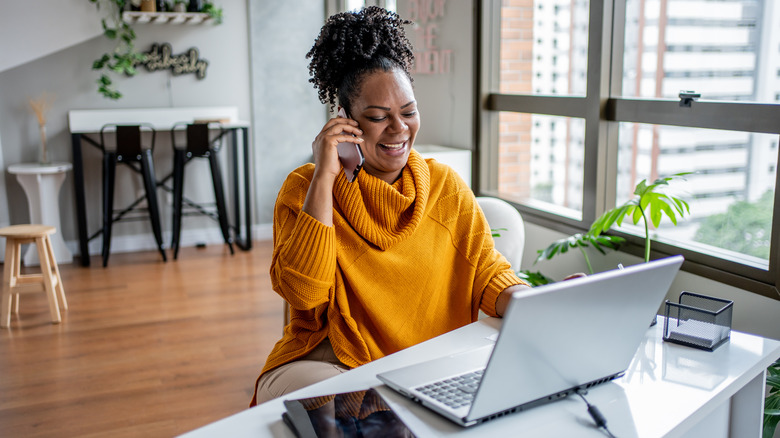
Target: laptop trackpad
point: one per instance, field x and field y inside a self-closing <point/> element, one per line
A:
<point x="422" y="373"/>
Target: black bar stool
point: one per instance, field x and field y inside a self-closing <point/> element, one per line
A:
<point x="199" y="145"/>
<point x="129" y="151"/>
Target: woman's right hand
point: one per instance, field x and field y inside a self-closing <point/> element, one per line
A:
<point x="324" y="146"/>
<point x="319" y="199"/>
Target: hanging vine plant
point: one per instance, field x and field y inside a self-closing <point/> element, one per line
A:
<point x="124" y="57"/>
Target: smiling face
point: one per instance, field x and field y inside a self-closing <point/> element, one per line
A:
<point x="387" y="113"/>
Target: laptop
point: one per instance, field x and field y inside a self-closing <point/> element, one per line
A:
<point x="554" y="340"/>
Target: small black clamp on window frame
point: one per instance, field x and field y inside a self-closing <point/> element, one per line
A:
<point x="687" y="97"/>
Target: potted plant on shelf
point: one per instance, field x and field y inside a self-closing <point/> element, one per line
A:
<point x="214" y="12"/>
<point x="180" y="5"/>
<point x="124" y="57"/>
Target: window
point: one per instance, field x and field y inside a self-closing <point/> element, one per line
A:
<point x="582" y="109"/>
<point x="554" y="52"/>
<point x="553" y="142"/>
<point x="730" y="193"/>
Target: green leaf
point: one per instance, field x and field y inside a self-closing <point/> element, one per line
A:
<point x="646" y="199"/>
<point x="626" y="211"/>
<point x="641" y="188"/>
<point x="495" y="231"/>
<point x="612" y="242"/>
<point x="637" y="215"/>
<point x="770" y="424"/>
<point x="534" y="278"/>
<point x="100" y="63"/>
<point x="664" y="206"/>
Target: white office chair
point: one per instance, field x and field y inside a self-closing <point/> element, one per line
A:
<point x="506" y="221"/>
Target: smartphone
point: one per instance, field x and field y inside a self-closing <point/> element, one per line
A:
<point x="350" y="155"/>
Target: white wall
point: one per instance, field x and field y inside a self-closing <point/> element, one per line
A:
<point x="26" y="28"/>
<point x="287" y="115"/>
<point x="445" y="99"/>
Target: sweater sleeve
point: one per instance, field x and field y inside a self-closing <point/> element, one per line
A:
<point x="493" y="272"/>
<point x="303" y="264"/>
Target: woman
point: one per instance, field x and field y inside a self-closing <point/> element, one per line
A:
<point x="398" y="256"/>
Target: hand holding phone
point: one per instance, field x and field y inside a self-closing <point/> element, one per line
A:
<point x="350" y="155"/>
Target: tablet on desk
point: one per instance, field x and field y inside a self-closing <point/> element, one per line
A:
<point x="351" y="414"/>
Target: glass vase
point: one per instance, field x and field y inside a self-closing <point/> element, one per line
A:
<point x="44" y="156"/>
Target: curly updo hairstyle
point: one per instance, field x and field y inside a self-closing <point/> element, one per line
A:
<point x="353" y="44"/>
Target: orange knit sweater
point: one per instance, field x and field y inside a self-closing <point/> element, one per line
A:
<point x="402" y="263"/>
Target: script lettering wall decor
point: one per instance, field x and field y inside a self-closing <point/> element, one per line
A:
<point x="160" y="57"/>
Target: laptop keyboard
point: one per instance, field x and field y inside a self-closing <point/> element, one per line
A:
<point x="454" y="392"/>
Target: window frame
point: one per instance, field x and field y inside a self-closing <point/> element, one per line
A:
<point x="603" y="109"/>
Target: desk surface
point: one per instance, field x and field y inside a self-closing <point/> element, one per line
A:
<point x="667" y="389"/>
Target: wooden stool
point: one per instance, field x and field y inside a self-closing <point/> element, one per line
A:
<point x="14" y="283"/>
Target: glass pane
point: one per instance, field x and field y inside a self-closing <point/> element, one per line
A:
<point x="540" y="161"/>
<point x="723" y="49"/>
<point x="730" y="193"/>
<point x="544" y="47"/>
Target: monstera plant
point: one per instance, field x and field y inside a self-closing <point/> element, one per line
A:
<point x="649" y="205"/>
<point x="772" y="402"/>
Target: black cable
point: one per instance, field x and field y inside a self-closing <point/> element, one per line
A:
<point x="596" y="414"/>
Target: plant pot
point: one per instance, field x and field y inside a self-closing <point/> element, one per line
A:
<point x="148" y="6"/>
<point x="180" y="7"/>
<point x="195" y="6"/>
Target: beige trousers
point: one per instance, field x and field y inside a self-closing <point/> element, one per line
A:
<point x="316" y="366"/>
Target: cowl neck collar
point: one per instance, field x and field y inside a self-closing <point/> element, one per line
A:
<point x="382" y="213"/>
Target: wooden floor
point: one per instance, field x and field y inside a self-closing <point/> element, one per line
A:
<point x="146" y="348"/>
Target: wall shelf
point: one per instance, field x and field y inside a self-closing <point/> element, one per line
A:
<point x="134" y="17"/>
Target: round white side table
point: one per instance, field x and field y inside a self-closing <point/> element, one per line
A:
<point x="41" y="184"/>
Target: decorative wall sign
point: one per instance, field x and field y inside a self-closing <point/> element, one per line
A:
<point x="159" y="57"/>
<point x="432" y="60"/>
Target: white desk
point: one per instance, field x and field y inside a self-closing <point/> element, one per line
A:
<point x="41" y="184"/>
<point x="668" y="391"/>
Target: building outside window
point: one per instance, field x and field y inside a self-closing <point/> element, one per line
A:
<point x="579" y="111"/>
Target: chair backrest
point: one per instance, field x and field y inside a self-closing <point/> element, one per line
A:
<point x="128" y="139"/>
<point x="198" y="143"/>
<point x="199" y="140"/>
<point x="506" y="221"/>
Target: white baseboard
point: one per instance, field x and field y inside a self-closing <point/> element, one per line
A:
<point x="145" y="242"/>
